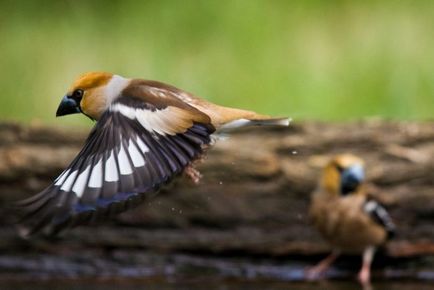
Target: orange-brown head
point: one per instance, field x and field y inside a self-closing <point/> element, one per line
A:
<point x="343" y="175"/>
<point x="91" y="94"/>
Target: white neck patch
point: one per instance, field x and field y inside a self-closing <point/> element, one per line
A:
<point x="114" y="87"/>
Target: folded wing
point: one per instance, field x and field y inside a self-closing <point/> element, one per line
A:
<point x="379" y="214"/>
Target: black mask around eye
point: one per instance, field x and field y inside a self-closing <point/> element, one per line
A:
<point x="351" y="178"/>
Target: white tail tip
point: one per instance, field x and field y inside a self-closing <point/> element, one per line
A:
<point x="264" y="122"/>
<point x="283" y="122"/>
<point x="272" y="122"/>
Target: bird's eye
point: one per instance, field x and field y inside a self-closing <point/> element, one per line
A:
<point x="339" y="168"/>
<point x="77" y="94"/>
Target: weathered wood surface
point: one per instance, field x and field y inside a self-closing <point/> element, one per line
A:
<point x="252" y="200"/>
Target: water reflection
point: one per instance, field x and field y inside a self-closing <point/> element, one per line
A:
<point x="206" y="285"/>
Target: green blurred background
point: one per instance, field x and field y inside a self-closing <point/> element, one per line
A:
<point x="328" y="60"/>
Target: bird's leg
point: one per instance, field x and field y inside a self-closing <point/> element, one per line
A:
<point x="319" y="269"/>
<point x="365" y="272"/>
<point x="192" y="173"/>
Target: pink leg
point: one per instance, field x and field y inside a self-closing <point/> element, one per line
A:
<point x="194" y="175"/>
<point x="365" y="272"/>
<point x="320" y="268"/>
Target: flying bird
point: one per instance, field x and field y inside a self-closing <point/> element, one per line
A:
<point x="146" y="134"/>
<point x="346" y="217"/>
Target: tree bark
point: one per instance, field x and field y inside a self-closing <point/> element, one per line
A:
<point x="251" y="201"/>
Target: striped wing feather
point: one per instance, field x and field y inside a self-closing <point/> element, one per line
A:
<point x="130" y="154"/>
<point x="379" y="214"/>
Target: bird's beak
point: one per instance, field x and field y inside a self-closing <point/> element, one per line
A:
<point x="67" y="106"/>
<point x="351" y="178"/>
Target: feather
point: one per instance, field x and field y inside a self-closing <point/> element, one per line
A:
<point x="380" y="216"/>
<point x="75" y="198"/>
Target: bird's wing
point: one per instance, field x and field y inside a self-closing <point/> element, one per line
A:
<point x="136" y="146"/>
<point x="379" y="214"/>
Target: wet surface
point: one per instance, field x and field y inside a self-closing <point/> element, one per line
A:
<point x="208" y="285"/>
<point x="133" y="265"/>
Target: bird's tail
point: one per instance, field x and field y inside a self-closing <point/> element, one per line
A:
<point x="226" y="119"/>
<point x="239" y="123"/>
<point x="229" y="119"/>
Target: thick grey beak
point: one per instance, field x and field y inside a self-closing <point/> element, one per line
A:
<point x="67" y="106"/>
<point x="351" y="178"/>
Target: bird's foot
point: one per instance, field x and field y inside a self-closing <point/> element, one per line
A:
<point x="193" y="174"/>
<point x="318" y="271"/>
<point x="315" y="273"/>
<point x="364" y="276"/>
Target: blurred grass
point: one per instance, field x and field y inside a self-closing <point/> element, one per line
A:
<point x="330" y="60"/>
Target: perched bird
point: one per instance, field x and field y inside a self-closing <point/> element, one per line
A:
<point x="146" y="133"/>
<point x="346" y="217"/>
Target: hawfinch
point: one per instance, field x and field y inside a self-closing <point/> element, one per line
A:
<point x="346" y="217"/>
<point x="146" y="133"/>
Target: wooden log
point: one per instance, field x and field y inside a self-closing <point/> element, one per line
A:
<point x="252" y="199"/>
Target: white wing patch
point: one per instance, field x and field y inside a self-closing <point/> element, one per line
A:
<point x="145" y="120"/>
<point x="156" y="121"/>
<point x="370" y="206"/>
<point x="66" y="186"/>
<point x="168" y="121"/>
<point x="80" y="183"/>
<point x="142" y="145"/>
<point x="124" y="163"/>
<point x="135" y="155"/>
<point x="94" y="175"/>
<point x="124" y="110"/>
<point x="61" y="177"/>
<point x="111" y="173"/>
<point x="95" y="180"/>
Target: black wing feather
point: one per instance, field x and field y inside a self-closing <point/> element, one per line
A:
<point x="56" y="208"/>
<point x="380" y="216"/>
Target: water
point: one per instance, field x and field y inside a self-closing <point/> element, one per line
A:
<point x="207" y="285"/>
<point x="139" y="270"/>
